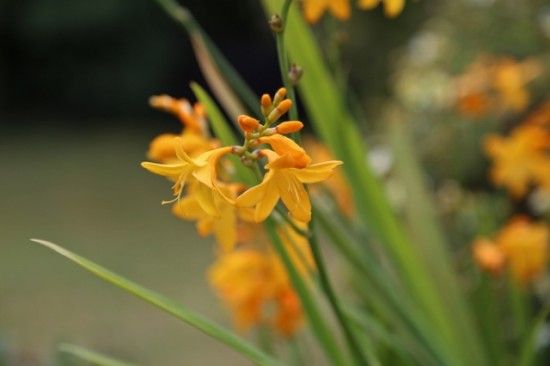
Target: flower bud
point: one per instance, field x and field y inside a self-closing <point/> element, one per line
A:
<point x="266" y="104"/>
<point x="247" y="123"/>
<point x="295" y="73"/>
<point x="281" y="109"/>
<point x="279" y="96"/>
<point x="276" y="23"/>
<point x="289" y="127"/>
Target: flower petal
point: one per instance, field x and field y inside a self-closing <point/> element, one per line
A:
<point x="316" y="172"/>
<point x="267" y="203"/>
<point x="205" y="199"/>
<point x="166" y="170"/>
<point x="188" y="209"/>
<point x="294" y="196"/>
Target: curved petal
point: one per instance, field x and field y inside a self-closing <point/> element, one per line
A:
<point x="340" y="9"/>
<point x="205" y="199"/>
<point x="316" y="172"/>
<point x="166" y="170"/>
<point x="253" y="195"/>
<point x="313" y="9"/>
<point x="188" y="209"/>
<point x="225" y="229"/>
<point x="267" y="203"/>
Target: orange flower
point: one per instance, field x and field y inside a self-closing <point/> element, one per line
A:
<point x="488" y="256"/>
<point x="194" y="136"/>
<point x="192" y="117"/>
<point x="250" y="281"/>
<point x="285" y="180"/>
<point x="521" y="245"/>
<point x="314" y="9"/>
<point x="392" y="8"/>
<point x="492" y="84"/>
<point x="520" y="159"/>
<point x="525" y="245"/>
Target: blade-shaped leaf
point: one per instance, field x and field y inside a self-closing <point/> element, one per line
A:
<point x="164" y="303"/>
<point x="93" y="357"/>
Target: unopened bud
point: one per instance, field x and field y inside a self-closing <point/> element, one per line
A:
<point x="276" y="23"/>
<point x="279" y="96"/>
<point x="289" y="127"/>
<point x="295" y="73"/>
<point x="266" y="104"/>
<point x="247" y="123"/>
<point x="281" y="109"/>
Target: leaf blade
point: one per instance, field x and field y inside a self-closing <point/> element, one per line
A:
<point x="164" y="303"/>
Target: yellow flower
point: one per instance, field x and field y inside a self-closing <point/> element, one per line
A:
<point x="200" y="171"/>
<point x="163" y="147"/>
<point x="488" y="256"/>
<point x="314" y="9"/>
<point x="392" y="8"/>
<point x="525" y="245"/>
<point x="223" y="225"/>
<point x="285" y="181"/>
<point x="520" y="159"/>
<point x="251" y="281"/>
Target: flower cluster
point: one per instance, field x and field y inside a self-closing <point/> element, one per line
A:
<point x="521" y="245"/>
<point x="522" y="158"/>
<point x="495" y="85"/>
<point x="208" y="191"/>
<point x="341" y="9"/>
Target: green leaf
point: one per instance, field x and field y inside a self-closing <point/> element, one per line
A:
<point x="215" y="116"/>
<point x="169" y="306"/>
<point x="93" y="357"/>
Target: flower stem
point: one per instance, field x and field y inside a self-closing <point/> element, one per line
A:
<point x="283" y="61"/>
<point x="324" y="280"/>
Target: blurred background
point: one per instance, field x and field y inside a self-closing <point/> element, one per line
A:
<point x="75" y="77"/>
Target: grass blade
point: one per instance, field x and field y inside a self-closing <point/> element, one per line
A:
<point x="93" y="357"/>
<point x="164" y="303"/>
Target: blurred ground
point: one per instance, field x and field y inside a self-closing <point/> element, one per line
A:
<point x="88" y="193"/>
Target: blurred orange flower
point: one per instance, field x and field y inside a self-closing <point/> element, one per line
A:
<point x="520" y="159"/>
<point x="392" y="8"/>
<point x="495" y="84"/>
<point x="314" y="9"/>
<point x="522" y="246"/>
<point x="250" y="281"/>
